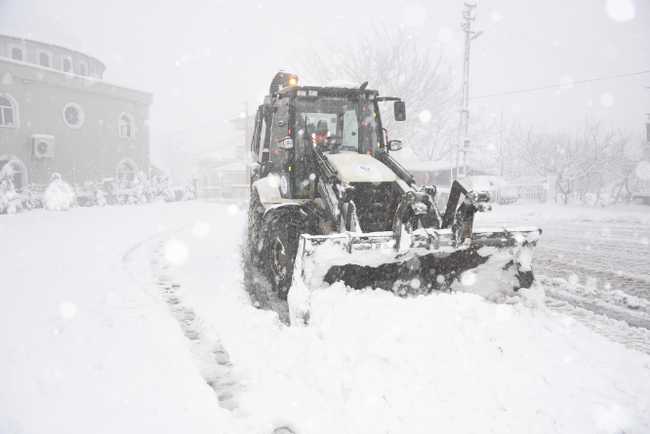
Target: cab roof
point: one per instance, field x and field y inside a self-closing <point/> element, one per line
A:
<point x="325" y="91"/>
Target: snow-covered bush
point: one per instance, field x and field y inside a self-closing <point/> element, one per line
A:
<point x="100" y="198"/>
<point x="10" y="200"/>
<point x="59" y="195"/>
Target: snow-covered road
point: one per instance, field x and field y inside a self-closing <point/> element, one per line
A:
<point x="83" y="348"/>
<point x="598" y="247"/>
<point x="133" y="319"/>
<point x="593" y="262"/>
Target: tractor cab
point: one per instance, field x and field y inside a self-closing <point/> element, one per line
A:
<point x="295" y="121"/>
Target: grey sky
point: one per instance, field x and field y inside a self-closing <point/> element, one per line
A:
<point x="203" y="59"/>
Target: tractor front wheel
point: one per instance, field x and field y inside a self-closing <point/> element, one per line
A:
<point x="281" y="245"/>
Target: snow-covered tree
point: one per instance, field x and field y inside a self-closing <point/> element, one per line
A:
<point x="396" y="64"/>
<point x="590" y="166"/>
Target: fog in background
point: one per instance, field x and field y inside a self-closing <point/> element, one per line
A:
<point x="204" y="60"/>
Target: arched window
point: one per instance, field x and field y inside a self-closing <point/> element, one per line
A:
<point x="125" y="172"/>
<point x="8" y="112"/>
<point x="14" y="169"/>
<point x="126" y="126"/>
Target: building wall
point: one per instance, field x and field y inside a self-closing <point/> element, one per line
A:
<point x="90" y="152"/>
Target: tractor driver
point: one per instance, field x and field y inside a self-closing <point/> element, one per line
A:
<point x="320" y="134"/>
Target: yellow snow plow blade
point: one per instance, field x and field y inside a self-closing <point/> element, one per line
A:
<point x="429" y="259"/>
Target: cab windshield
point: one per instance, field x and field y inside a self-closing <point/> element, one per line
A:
<point x="337" y="123"/>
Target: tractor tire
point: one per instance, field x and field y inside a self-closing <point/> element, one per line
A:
<point x="255" y="231"/>
<point x="281" y="247"/>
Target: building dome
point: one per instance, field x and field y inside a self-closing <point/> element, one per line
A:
<point x="50" y="56"/>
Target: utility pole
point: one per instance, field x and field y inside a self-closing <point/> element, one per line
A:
<point x="646" y="148"/>
<point x="463" y="143"/>
<point x="246" y="143"/>
<point x="241" y="123"/>
<point x="647" y="136"/>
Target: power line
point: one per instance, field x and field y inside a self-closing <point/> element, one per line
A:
<point x="556" y="86"/>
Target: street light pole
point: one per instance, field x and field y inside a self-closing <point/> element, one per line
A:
<point x="463" y="142"/>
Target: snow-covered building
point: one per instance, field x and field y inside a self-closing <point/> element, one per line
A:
<point x="57" y="114"/>
<point x="427" y="172"/>
<point x="223" y="180"/>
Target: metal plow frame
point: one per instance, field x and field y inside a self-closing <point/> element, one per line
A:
<point x="317" y="254"/>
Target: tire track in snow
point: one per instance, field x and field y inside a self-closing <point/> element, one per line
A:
<point x="596" y="271"/>
<point x="607" y="318"/>
<point x="637" y="338"/>
<point x="214" y="363"/>
<point x="212" y="358"/>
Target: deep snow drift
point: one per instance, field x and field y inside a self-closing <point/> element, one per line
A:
<point x="91" y="343"/>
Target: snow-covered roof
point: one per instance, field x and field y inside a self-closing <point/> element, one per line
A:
<point x="407" y="158"/>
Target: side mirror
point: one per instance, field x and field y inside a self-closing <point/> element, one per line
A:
<point x="286" y="143"/>
<point x="394" y="145"/>
<point x="399" y="110"/>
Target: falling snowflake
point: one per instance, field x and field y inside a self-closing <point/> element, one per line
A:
<point x="67" y="310"/>
<point x="201" y="229"/>
<point x="620" y="10"/>
<point x="606" y="99"/>
<point x="424" y="116"/>
<point x="176" y="252"/>
<point x="496" y="16"/>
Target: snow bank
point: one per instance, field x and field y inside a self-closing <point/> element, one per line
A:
<point x="90" y="347"/>
<point x="83" y="349"/>
<point x="371" y="362"/>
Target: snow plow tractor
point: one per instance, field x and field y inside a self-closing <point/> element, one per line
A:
<point x="329" y="203"/>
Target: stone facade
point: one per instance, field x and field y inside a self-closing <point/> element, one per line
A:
<point x="64" y="118"/>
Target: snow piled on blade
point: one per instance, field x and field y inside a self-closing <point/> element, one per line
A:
<point x="494" y="280"/>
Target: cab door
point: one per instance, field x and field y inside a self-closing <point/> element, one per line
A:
<point x="281" y="156"/>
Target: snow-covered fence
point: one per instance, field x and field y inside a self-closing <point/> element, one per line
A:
<point x="531" y="192"/>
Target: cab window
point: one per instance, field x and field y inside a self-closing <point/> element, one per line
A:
<point x="279" y="130"/>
